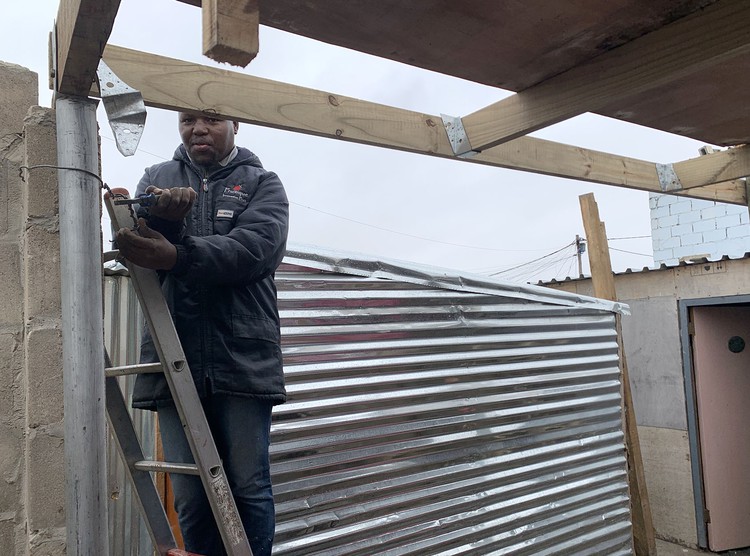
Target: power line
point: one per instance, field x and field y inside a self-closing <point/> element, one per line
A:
<point x="534" y="260"/>
<point x="630" y="252"/>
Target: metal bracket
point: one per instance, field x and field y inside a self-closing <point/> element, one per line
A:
<point x="125" y="109"/>
<point x="459" y="141"/>
<point x="668" y="180"/>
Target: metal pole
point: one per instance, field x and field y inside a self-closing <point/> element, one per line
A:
<point x="83" y="330"/>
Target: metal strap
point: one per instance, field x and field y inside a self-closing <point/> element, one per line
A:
<point x="457" y="137"/>
<point x="668" y="180"/>
<point x="125" y="109"/>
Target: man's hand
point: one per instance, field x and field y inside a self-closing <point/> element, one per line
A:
<point x="172" y="204"/>
<point x="146" y="247"/>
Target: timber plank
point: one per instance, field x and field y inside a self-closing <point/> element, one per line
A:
<point x="230" y="30"/>
<point x="718" y="33"/>
<point x="82" y="30"/>
<point x="179" y="85"/>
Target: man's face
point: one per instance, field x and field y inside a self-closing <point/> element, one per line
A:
<point x="207" y="140"/>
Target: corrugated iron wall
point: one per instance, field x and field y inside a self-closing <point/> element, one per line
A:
<point x="427" y="421"/>
<point x="128" y="535"/>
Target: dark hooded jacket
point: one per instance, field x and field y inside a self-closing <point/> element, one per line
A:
<point x="221" y="291"/>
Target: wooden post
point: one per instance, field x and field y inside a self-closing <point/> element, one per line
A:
<point x="603" y="281"/>
<point x="230" y="30"/>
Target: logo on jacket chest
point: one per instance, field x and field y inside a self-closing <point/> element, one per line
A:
<point x="235" y="192"/>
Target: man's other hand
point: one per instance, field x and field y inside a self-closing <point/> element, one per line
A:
<point x="146" y="247"/>
<point x="172" y="204"/>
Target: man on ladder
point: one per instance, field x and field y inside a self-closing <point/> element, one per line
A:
<point x="216" y="230"/>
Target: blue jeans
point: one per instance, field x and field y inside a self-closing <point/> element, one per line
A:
<point x="241" y="430"/>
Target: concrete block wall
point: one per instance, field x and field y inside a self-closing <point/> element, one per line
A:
<point x="32" y="498"/>
<point x="683" y="228"/>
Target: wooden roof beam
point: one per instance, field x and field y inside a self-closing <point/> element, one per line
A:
<point x="230" y="30"/>
<point x="715" y="34"/>
<point x="179" y="85"/>
<point x="717" y="167"/>
<point x="82" y="30"/>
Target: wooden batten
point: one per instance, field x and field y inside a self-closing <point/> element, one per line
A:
<point x="178" y="85"/>
<point x="230" y="30"/>
<point x="82" y="30"/>
<point x="603" y="281"/>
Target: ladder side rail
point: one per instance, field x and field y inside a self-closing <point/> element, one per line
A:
<point x="187" y="402"/>
<point x="129" y="447"/>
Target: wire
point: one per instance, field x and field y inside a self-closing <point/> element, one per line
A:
<point x="88" y="172"/>
<point x="629" y="237"/>
<point x="534" y="260"/>
<point x="631" y="252"/>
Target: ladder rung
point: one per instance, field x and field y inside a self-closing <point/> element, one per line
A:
<point x="166" y="467"/>
<point x="133" y="369"/>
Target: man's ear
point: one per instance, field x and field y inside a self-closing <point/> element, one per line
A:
<point x="236" y="126"/>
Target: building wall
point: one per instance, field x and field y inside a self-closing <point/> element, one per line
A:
<point x="651" y="339"/>
<point x="683" y="228"/>
<point x="32" y="498"/>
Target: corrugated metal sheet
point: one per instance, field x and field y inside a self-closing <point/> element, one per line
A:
<point x="128" y="535"/>
<point x="426" y="420"/>
<point x="432" y="413"/>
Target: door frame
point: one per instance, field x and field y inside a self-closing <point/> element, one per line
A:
<point x="688" y="372"/>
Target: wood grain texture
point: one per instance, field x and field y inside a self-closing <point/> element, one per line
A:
<point x="719" y="33"/>
<point x="178" y="85"/>
<point x="603" y="280"/>
<point x="82" y="29"/>
<point x="714" y="168"/>
<point x="230" y="31"/>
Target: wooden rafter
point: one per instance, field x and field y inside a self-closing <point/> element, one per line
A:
<point x="82" y="30"/>
<point x="230" y="30"/>
<point x="718" y="33"/>
<point x="713" y="168"/>
<point x="178" y="85"/>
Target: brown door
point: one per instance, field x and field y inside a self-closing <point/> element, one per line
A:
<point x="721" y="357"/>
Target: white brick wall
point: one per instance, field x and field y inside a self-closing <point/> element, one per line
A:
<point x="683" y="228"/>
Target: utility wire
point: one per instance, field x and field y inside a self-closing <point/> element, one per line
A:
<point x="630" y="252"/>
<point x="535" y="260"/>
<point x="383" y="228"/>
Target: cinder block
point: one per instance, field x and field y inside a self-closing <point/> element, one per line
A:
<point x="728" y="221"/>
<point x="668" y="221"/>
<point x="46" y="478"/>
<point x="47" y="542"/>
<point x="41" y="148"/>
<point x="681" y="207"/>
<point x="11" y="292"/>
<point x="44" y="376"/>
<point x="689" y="217"/>
<point x="738" y="231"/>
<point x="42" y="271"/>
<point x="704" y="225"/>
<point x="8" y="534"/>
<point x="12" y="447"/>
<point x="692" y="239"/>
<point x="714" y="211"/>
<point x="661" y="234"/>
<point x="691" y="251"/>
<point x="682" y="230"/>
<point x="666" y="200"/>
<point x="653" y="201"/>
<point x="745" y="217"/>
<point x="11" y="366"/>
<point x="20" y="90"/>
<point x="11" y="191"/>
<point x="660" y="212"/>
<point x="670" y="243"/>
<point x="715" y="236"/>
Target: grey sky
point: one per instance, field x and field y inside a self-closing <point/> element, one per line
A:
<point x="386" y="203"/>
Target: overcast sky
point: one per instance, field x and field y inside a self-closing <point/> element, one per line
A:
<point x="371" y="200"/>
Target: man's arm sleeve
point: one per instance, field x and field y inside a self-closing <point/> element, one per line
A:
<point x="252" y="250"/>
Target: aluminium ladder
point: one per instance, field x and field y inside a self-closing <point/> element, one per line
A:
<point x="175" y="368"/>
